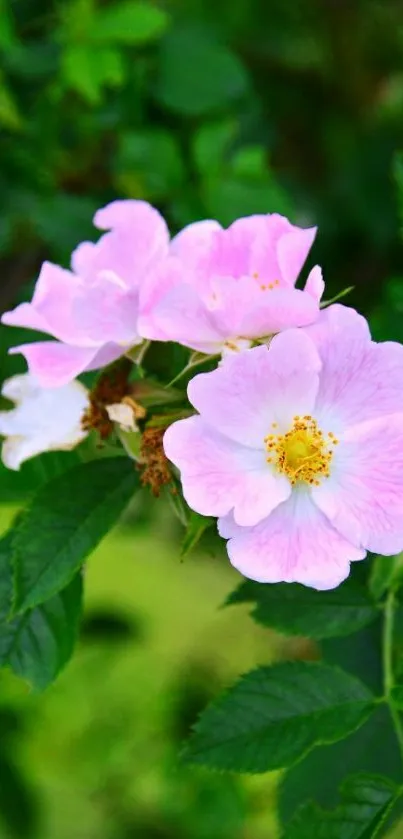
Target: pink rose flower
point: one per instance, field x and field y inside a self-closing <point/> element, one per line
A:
<point x="92" y="310"/>
<point x="222" y="289"/>
<point x="298" y="449"/>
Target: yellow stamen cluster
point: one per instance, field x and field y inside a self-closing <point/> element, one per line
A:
<point x="303" y="453"/>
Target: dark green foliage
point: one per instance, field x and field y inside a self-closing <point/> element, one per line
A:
<point x="365" y="800"/>
<point x="37" y="644"/>
<point x="297" y="610"/>
<point x="64" y="523"/>
<point x="275" y="715"/>
<point x="318" y="776"/>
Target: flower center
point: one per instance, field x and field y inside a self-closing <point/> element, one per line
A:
<point x="303" y="453"/>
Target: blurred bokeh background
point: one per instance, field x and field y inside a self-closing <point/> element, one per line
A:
<point x="207" y="108"/>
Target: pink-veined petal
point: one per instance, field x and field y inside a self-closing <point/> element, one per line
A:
<point x="181" y="316"/>
<point x="295" y="544"/>
<point x="218" y="475"/>
<point x="253" y="389"/>
<point x="360" y="380"/>
<point x="363" y="497"/>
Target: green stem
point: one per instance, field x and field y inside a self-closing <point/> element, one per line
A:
<point x="190" y="367"/>
<point x="389" y="679"/>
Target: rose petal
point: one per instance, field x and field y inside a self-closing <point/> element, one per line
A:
<point x="219" y="475"/>
<point x="295" y="544"/>
<point x="253" y="389"/>
<point x="363" y="497"/>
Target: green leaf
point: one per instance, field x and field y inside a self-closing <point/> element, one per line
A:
<point x="88" y="69"/>
<point x="250" y="162"/>
<point x="297" y="610"/>
<point x="196" y="526"/>
<point x="62" y="220"/>
<point x="20" y="809"/>
<point x="397" y="696"/>
<point x="275" y="715"/>
<point x="65" y="521"/>
<point x="359" y="654"/>
<point x="373" y="748"/>
<point x="229" y="197"/>
<point x="10" y="116"/>
<point x="129" y="22"/>
<point x="197" y="74"/>
<point x="149" y="161"/>
<point x="8" y="38"/>
<point x="37" y="644"/>
<point x="386" y="571"/>
<point x="6" y="575"/>
<point x="365" y="800"/>
<point x="211" y="145"/>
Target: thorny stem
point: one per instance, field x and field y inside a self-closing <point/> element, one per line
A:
<point x="389" y="680"/>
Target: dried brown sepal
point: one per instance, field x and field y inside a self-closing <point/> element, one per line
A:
<point x="155" y="468"/>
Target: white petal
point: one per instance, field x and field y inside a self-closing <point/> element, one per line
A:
<point x="43" y="419"/>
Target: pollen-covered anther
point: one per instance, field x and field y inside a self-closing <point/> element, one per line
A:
<point x="303" y="453"/>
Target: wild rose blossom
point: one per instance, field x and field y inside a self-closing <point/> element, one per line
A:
<point x="42" y="420"/>
<point x="221" y="289"/>
<point x="298" y="449"/>
<point x="92" y="310"/>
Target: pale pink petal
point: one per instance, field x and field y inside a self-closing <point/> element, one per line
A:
<point x="107" y="354"/>
<point x="244" y="308"/>
<point x="134" y="215"/>
<point x="27" y="316"/>
<point x="181" y="316"/>
<point x="156" y="285"/>
<point x="195" y="246"/>
<point x="51" y="307"/>
<point x="363" y="497"/>
<point x="292" y="251"/>
<point x="253" y="389"/>
<point x="315" y="285"/>
<point x="295" y="544"/>
<point x="84" y="260"/>
<point x="55" y="364"/>
<point x="279" y="309"/>
<point x="360" y="379"/>
<point x="249" y="247"/>
<point x="139" y="238"/>
<point x="218" y="475"/>
<point x="105" y="312"/>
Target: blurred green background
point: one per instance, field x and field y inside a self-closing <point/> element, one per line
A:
<point x="207" y="108"/>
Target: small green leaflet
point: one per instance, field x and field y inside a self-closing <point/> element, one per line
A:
<point x="64" y="523"/>
<point x="297" y="610"/>
<point x="129" y="22"/>
<point x="37" y="644"/>
<point x="365" y="801"/>
<point x="195" y="527"/>
<point x="275" y="715"/>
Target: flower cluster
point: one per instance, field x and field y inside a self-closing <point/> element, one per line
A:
<point x="294" y="441"/>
